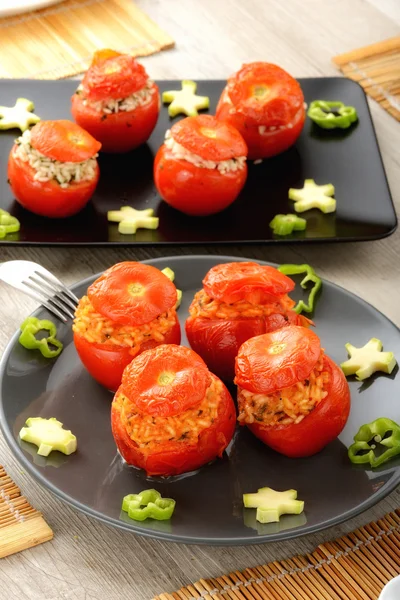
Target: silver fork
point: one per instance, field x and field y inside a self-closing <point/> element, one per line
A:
<point x="37" y="282"/>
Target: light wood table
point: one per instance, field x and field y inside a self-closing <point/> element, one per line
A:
<point x="87" y="560"/>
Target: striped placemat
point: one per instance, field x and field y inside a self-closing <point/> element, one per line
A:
<point x="353" y="567"/>
<point x="21" y="526"/>
<point x="377" y="69"/>
<point x="59" y="41"/>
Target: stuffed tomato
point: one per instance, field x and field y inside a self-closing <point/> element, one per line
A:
<point x="238" y="301"/>
<point x="52" y="168"/>
<point x="266" y="105"/>
<point x="290" y="394"/>
<point x="127" y="310"/>
<point x="171" y="415"/>
<point x="116" y="102"/>
<point x="201" y="167"/>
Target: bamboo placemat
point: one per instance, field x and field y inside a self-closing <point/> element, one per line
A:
<point x="354" y="567"/>
<point x="377" y="69"/>
<point x="21" y="526"/>
<point x="59" y="41"/>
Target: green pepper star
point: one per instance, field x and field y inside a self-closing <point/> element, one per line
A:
<point x="332" y="115"/>
<point x="130" y="219"/>
<point x="30" y="327"/>
<point x="8" y="224"/>
<point x="368" y="359"/>
<point x="19" y="116"/>
<point x="185" y="100"/>
<point x="289" y="269"/>
<point x="383" y="434"/>
<point x="148" y="504"/>
<point x="313" y="196"/>
<point x="286" y="224"/>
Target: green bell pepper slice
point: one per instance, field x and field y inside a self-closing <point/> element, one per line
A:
<point x="30" y="327"/>
<point x="148" y="504"/>
<point x="286" y="224"/>
<point x="332" y="115"/>
<point x="8" y="224"/>
<point x="311" y="275"/>
<point x="382" y="431"/>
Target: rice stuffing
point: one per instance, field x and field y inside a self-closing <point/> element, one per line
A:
<point x="223" y="166"/>
<point x="48" y="169"/>
<point x="286" y="406"/>
<point x="98" y="329"/>
<point x="148" y="430"/>
<point x="115" y="105"/>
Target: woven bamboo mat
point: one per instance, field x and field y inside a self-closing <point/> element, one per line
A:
<point x="377" y="69"/>
<point x="59" y="41"/>
<point x="21" y="526"/>
<point x="354" y="567"/>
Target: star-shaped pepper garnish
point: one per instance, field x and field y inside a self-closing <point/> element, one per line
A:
<point x="185" y="100"/>
<point x="368" y="359"/>
<point x="313" y="196"/>
<point x="130" y="219"/>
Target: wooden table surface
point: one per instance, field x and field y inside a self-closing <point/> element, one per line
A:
<point x="88" y="560"/>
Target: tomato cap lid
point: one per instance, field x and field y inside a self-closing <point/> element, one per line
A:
<point x="132" y="293"/>
<point x="64" y="141"/>
<point x="112" y="75"/>
<point x="209" y="138"/>
<point x="277" y="360"/>
<point x="166" y="380"/>
<point x="265" y="94"/>
<point x="249" y="281"/>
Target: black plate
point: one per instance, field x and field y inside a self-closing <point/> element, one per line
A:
<point x="349" y="159"/>
<point x="209" y="502"/>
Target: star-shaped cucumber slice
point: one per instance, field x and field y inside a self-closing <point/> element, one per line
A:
<point x="48" y="435"/>
<point x="313" y="196"/>
<point x="185" y="101"/>
<point x="19" y="116"/>
<point x="286" y="224"/>
<point x="271" y="504"/>
<point x="130" y="219"/>
<point x="368" y="359"/>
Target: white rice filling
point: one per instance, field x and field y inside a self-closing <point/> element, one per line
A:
<point x="223" y="166"/>
<point x="48" y="169"/>
<point x="114" y="105"/>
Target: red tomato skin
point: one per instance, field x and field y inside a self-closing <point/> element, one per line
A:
<point x="174" y="458"/>
<point x="318" y="428"/>
<point x="217" y="341"/>
<point x="47" y="199"/>
<point x="259" y="146"/>
<point x="106" y="362"/>
<point x="194" y="190"/>
<point x="122" y="131"/>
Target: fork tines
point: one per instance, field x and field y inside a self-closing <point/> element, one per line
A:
<point x="54" y="295"/>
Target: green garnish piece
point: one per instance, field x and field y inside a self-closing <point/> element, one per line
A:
<point x="48" y="435"/>
<point x="185" y="101"/>
<point x="130" y="219"/>
<point x="8" y="223"/>
<point x="332" y="115"/>
<point x="271" y="505"/>
<point x="368" y="359"/>
<point x="310" y="276"/>
<point x="49" y="346"/>
<point x="313" y="196"/>
<point x="19" y="116"/>
<point x="148" y="504"/>
<point x="286" y="224"/>
<point x="381" y="434"/>
<point x="171" y="275"/>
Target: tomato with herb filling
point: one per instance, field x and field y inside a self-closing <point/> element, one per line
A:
<point x="238" y="301"/>
<point x="129" y="309"/>
<point x="290" y="394"/>
<point x="201" y="167"/>
<point x="266" y="105"/>
<point x="52" y="168"/>
<point x="171" y="415"/>
<point x="117" y="102"/>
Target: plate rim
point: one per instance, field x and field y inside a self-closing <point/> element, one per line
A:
<point x="17" y="452"/>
